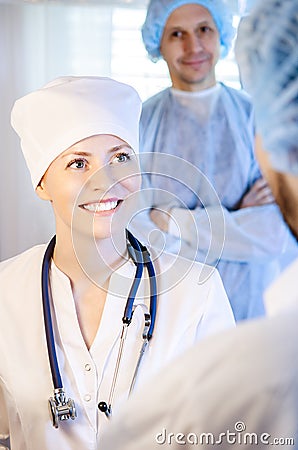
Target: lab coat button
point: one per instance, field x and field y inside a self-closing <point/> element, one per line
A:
<point x="87" y="367"/>
<point x="87" y="398"/>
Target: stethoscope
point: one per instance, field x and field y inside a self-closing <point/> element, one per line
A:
<point x="60" y="407"/>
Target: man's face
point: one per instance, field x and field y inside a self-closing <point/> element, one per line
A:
<point x="190" y="45"/>
<point x="284" y="187"/>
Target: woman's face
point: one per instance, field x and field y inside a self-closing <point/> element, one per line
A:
<point x="91" y="185"/>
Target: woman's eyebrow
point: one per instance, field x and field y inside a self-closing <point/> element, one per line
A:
<point x="113" y="149"/>
<point x="116" y="148"/>
<point x="78" y="153"/>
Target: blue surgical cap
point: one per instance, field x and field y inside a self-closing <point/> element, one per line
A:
<point x="159" y="11"/>
<point x="267" y="53"/>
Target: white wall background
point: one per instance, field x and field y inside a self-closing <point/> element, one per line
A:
<point x="40" y="40"/>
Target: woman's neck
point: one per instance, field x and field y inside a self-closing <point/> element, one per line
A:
<point x="84" y="258"/>
<point x="89" y="265"/>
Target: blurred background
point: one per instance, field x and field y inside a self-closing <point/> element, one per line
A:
<point x="43" y="39"/>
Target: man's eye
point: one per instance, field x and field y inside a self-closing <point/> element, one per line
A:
<point x="77" y="164"/>
<point x="177" y="34"/>
<point x="205" y="29"/>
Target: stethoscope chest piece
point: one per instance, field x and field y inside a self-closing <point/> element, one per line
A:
<point x="60" y="408"/>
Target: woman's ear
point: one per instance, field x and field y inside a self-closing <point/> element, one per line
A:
<point x="41" y="191"/>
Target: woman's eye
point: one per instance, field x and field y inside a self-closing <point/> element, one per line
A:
<point x="77" y="164"/>
<point x="121" y="157"/>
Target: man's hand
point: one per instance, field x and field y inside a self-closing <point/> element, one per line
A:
<point x="258" y="195"/>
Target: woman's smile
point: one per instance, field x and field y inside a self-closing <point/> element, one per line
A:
<point x="103" y="207"/>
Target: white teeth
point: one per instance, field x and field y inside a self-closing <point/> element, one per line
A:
<point x="105" y="206"/>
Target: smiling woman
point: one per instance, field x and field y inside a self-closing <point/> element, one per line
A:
<point x="82" y="291"/>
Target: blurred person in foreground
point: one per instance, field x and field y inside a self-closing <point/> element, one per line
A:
<point x="244" y="392"/>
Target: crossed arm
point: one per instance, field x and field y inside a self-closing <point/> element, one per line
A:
<point x="253" y="231"/>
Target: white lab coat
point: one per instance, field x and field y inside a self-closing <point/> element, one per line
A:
<point x="187" y="312"/>
<point x="282" y="295"/>
<point x="243" y="382"/>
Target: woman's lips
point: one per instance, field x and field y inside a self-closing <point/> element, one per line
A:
<point x="105" y="206"/>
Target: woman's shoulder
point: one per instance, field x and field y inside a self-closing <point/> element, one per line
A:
<point x="186" y="271"/>
<point x="28" y="260"/>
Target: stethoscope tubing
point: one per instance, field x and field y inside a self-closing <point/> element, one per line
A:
<point x="61" y="408"/>
<point x="128" y="311"/>
<point x="153" y="295"/>
<point x="56" y="376"/>
<point x="142" y="259"/>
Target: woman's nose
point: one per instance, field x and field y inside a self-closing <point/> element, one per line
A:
<point x="102" y="179"/>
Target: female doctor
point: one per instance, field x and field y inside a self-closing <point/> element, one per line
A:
<point x="72" y="346"/>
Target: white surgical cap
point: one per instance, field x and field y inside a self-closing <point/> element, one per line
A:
<point x="267" y="53"/>
<point x="70" y="109"/>
<point x="159" y="11"/>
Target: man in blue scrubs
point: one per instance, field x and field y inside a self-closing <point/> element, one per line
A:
<point x="211" y="126"/>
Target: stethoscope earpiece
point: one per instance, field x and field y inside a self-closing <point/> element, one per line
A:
<point x="103" y="407"/>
